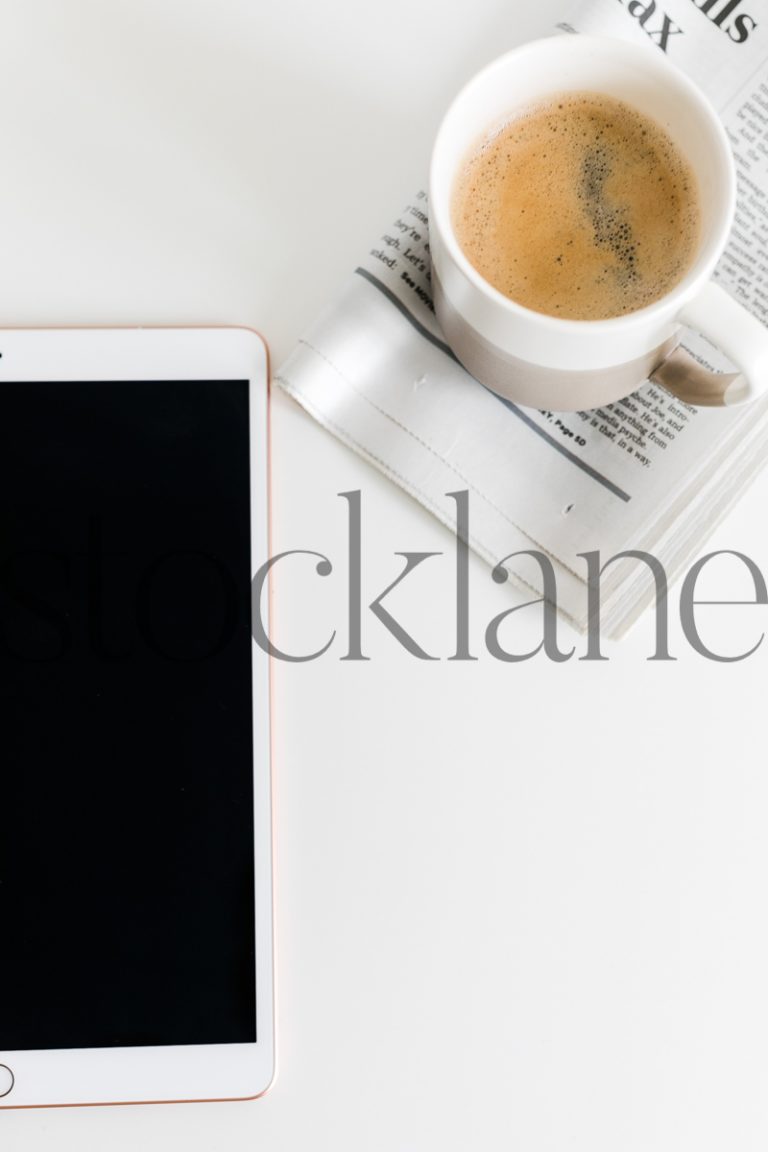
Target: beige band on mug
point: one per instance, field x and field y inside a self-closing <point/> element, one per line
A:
<point x="536" y="387"/>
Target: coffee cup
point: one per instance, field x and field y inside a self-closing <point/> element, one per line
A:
<point x="547" y="361"/>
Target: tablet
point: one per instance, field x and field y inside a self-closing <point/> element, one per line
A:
<point x="136" y="953"/>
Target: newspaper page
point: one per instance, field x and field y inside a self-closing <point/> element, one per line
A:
<point x="648" y="472"/>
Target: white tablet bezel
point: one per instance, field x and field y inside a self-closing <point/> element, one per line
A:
<point x="189" y="1072"/>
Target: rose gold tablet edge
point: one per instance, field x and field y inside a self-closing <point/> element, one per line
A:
<point x="170" y="327"/>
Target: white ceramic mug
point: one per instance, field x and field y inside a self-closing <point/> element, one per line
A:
<point x="546" y="362"/>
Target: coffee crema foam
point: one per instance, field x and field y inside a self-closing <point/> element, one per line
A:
<point x="580" y="207"/>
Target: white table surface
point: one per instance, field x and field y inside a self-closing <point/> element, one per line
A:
<point x="519" y="907"/>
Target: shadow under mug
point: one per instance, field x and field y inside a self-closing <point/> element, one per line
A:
<point x="566" y="365"/>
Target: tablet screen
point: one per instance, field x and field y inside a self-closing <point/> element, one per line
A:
<point x="126" y="739"/>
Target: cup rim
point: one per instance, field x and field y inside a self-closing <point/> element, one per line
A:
<point x="709" y="254"/>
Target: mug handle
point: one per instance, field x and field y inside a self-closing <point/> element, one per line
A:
<point x="744" y="339"/>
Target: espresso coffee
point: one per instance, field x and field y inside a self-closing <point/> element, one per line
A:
<point x="580" y="207"/>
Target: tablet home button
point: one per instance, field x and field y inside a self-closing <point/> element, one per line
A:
<point x="6" y="1080"/>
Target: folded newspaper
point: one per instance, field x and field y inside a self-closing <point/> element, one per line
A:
<point x="648" y="473"/>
